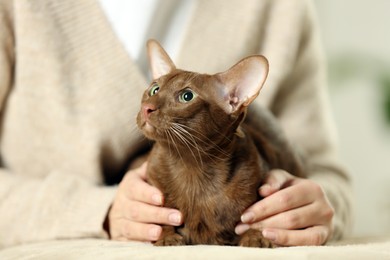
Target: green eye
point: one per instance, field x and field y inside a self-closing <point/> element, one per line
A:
<point x="187" y="96"/>
<point x="155" y="88"/>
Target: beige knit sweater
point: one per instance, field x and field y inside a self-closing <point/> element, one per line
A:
<point x="69" y="95"/>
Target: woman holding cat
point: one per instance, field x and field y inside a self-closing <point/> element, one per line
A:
<point x="65" y="123"/>
<point x="294" y="212"/>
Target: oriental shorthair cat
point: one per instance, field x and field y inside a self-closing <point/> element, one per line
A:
<point x="210" y="153"/>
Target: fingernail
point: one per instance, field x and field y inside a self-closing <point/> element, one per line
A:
<point x="247" y="217"/>
<point x="154" y="233"/>
<point x="266" y="188"/>
<point x="157" y="198"/>
<point x="174" y="218"/>
<point x="241" y="229"/>
<point x="269" y="234"/>
<point x="275" y="186"/>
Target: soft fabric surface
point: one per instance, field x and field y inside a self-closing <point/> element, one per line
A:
<point x="104" y="249"/>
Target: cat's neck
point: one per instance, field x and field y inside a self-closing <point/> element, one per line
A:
<point x="199" y="156"/>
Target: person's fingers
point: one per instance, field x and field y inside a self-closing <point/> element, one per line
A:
<point x="145" y="213"/>
<point x="136" y="212"/>
<point x="297" y="218"/>
<point x="142" y="170"/>
<point x="136" y="188"/>
<point x="275" y="181"/>
<point x="286" y="199"/>
<point x="241" y="228"/>
<point x="302" y="217"/>
<point x="130" y="230"/>
<point x="316" y="235"/>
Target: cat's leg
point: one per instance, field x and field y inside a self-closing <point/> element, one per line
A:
<point x="169" y="237"/>
<point x="254" y="238"/>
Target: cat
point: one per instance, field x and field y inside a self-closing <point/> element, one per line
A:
<point x="210" y="153"/>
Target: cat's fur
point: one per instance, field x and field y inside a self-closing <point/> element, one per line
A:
<point x="207" y="159"/>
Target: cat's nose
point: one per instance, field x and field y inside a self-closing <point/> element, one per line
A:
<point x="147" y="109"/>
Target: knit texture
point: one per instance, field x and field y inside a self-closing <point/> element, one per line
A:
<point x="69" y="95"/>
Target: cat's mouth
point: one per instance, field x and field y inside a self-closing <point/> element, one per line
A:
<point x="148" y="127"/>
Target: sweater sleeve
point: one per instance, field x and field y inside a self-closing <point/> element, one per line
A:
<point x="59" y="205"/>
<point x="302" y="106"/>
<point x="6" y="50"/>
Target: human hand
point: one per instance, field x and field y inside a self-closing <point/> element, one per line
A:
<point x="136" y="210"/>
<point x="294" y="211"/>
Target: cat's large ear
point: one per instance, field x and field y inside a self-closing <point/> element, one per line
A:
<point x="160" y="63"/>
<point x="242" y="83"/>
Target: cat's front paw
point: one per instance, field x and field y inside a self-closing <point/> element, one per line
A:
<point x="254" y="238"/>
<point x="170" y="240"/>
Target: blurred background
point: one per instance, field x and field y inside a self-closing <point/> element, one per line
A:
<point x="356" y="37"/>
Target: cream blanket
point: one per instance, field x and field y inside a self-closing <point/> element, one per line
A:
<point x="378" y="248"/>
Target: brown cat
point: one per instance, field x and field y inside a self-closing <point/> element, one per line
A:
<point x="208" y="161"/>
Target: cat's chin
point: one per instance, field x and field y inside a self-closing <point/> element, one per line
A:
<point x="148" y="129"/>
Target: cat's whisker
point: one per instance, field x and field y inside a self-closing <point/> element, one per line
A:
<point x="133" y="128"/>
<point x="191" y="129"/>
<point x="166" y="133"/>
<point x="207" y="142"/>
<point x="177" y="132"/>
<point x="174" y="143"/>
<point x="182" y="139"/>
<point x="194" y="143"/>
<point x="199" y="148"/>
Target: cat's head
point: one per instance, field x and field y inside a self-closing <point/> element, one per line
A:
<point x="180" y="103"/>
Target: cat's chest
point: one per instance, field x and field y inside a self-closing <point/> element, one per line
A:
<point x="187" y="188"/>
<point x="211" y="199"/>
<point x="186" y="185"/>
<point x="198" y="195"/>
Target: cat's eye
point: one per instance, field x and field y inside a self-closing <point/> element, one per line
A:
<point x="186" y="96"/>
<point x="155" y="88"/>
